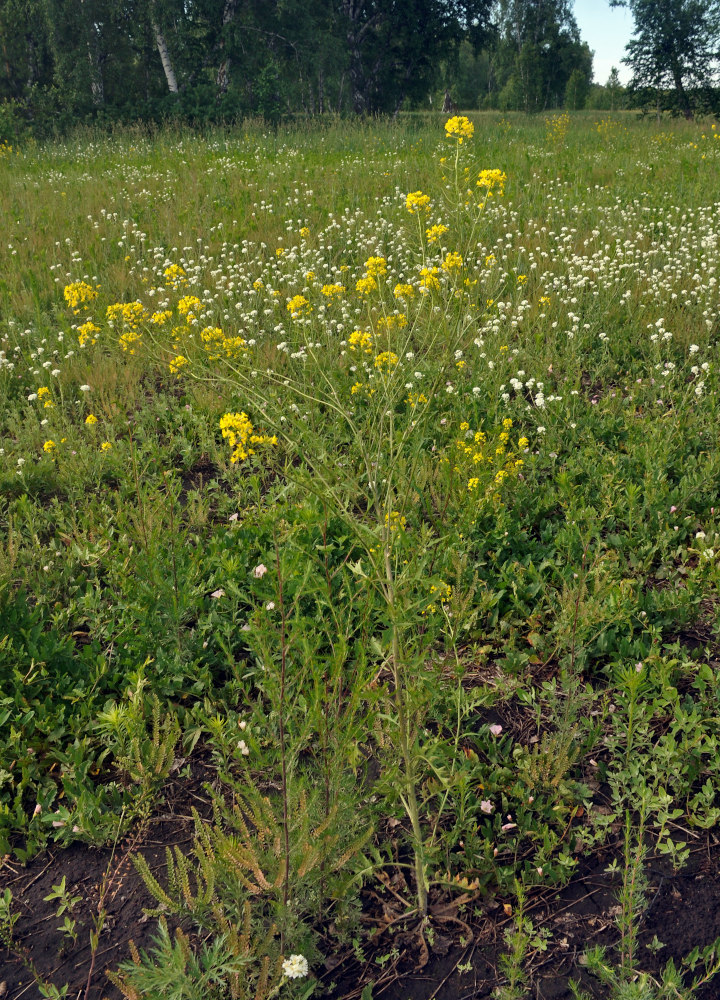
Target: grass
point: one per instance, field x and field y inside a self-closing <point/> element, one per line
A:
<point x="342" y="494"/>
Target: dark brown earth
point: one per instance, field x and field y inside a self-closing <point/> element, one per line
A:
<point x="457" y="960"/>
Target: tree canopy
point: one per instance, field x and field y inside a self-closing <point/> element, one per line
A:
<point x="70" y="60"/>
<point x="675" y="46"/>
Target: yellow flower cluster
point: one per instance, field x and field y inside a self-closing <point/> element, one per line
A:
<point x="189" y="305"/>
<point x="86" y="333"/>
<point x="413" y="400"/>
<point x="428" y="281"/>
<point x="556" y="128"/>
<point x="178" y="363"/>
<point x="175" y="276"/>
<point x="395" y="521"/>
<point x="329" y="291"/>
<point x="490" y="180"/>
<point x="238" y="430"/>
<point x="443" y="593"/>
<point x="453" y="262"/>
<point x="386" y="361"/>
<point x="366" y="285"/>
<point x="78" y="294"/>
<point x="158" y="318"/>
<point x="394" y="320"/>
<point x="459" y="127"/>
<point x="417" y="202"/>
<point x="131" y="315"/>
<point x="376" y="267"/>
<point x="219" y="346"/>
<point x="472" y="455"/>
<point x="403" y="291"/>
<point x="434" y="233"/>
<point x="43" y="394"/>
<point x="298" y="306"/>
<point x="359" y="341"/>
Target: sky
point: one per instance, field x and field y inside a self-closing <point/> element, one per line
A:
<point x="607" y="31"/>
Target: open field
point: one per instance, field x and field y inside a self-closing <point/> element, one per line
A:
<point x="360" y="505"/>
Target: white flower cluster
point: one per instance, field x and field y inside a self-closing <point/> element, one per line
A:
<point x="295" y="967"/>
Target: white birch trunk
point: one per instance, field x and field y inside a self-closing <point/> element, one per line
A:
<point x="165" y="59"/>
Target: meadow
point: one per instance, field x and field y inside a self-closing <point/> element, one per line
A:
<point x="374" y="465"/>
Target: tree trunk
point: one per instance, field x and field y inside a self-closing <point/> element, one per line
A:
<point x="223" y="74"/>
<point x="97" y="85"/>
<point x="681" y="92"/>
<point x="165" y="58"/>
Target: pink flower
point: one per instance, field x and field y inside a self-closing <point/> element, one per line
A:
<point x="260" y="571"/>
<point x="218" y="593"/>
<point x="486" y="806"/>
<point x="496" y="729"/>
<point x="508" y="826"/>
<point x="673" y="509"/>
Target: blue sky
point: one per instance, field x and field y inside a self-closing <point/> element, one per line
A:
<point x="607" y="31"/>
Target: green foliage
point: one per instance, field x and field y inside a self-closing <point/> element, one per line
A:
<point x="465" y="573"/>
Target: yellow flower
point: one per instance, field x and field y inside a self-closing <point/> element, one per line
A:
<point x="239" y="431"/>
<point x="77" y="294"/>
<point x="305" y="232"/>
<point x="453" y="262"/>
<point x="298" y="306"/>
<point x="428" y="281"/>
<point x="280" y="251"/>
<point x="354" y="389"/>
<point x="417" y="202"/>
<point x="459" y="128"/>
<point x="434" y="233"/>
<point x="87" y="332"/>
<point x="360" y="341"/>
<point x="376" y="266"/>
<point x="189" y="304"/>
<point x="131" y="313"/>
<point x="366" y="285"/>
<point x="395" y="521"/>
<point x="331" y="290"/>
<point x="158" y="318"/>
<point x="177" y="364"/>
<point x="385" y="361"/>
<point x="105" y="446"/>
<point x="91" y="419"/>
<point x="49" y="446"/>
<point x="403" y="291"/>
<point x="175" y="276"/>
<point x="491" y="179"/>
